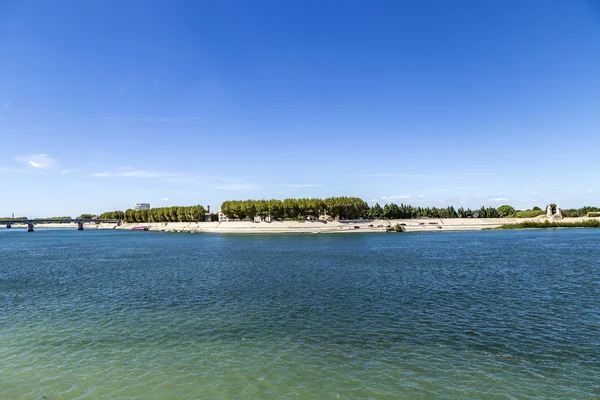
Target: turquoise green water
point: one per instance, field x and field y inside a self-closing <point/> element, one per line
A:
<point x="87" y="315"/>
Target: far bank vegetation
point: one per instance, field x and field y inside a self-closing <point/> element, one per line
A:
<point x="296" y="209"/>
<point x="589" y="223"/>
<point x="159" y="214"/>
<point x="345" y="208"/>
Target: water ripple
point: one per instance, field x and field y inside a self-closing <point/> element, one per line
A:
<point x="457" y="315"/>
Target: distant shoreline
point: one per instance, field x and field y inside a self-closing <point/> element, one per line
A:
<point x="365" y="226"/>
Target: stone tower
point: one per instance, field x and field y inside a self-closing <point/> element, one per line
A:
<point x="553" y="212"/>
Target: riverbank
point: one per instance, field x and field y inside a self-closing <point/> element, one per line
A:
<point x="278" y="227"/>
<point x="409" y="225"/>
<point x="588" y="223"/>
<point x="247" y="227"/>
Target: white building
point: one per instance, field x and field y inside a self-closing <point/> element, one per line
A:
<point x="258" y="218"/>
<point x="142" y="206"/>
<point x="222" y="217"/>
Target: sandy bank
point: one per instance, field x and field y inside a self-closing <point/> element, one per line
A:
<point x="468" y="224"/>
<point x="246" y="227"/>
<point x="410" y="225"/>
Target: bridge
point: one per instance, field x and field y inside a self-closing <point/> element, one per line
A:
<point x="31" y="222"/>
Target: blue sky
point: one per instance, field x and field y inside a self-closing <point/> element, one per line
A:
<point x="105" y="104"/>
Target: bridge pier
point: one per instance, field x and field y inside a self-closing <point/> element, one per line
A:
<point x="29" y="227"/>
<point x="80" y="226"/>
<point x="8" y="226"/>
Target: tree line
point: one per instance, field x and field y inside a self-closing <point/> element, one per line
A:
<point x="586" y="211"/>
<point x="404" y="211"/>
<point x="112" y="215"/>
<point x="355" y="208"/>
<point x="581" y="212"/>
<point x="159" y="214"/>
<point x="334" y="207"/>
<point x="303" y="208"/>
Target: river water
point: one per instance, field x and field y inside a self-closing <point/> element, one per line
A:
<point x="493" y="314"/>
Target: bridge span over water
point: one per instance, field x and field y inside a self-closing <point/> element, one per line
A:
<point x="32" y="222"/>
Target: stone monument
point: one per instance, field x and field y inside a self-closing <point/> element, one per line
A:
<point x="553" y="212"/>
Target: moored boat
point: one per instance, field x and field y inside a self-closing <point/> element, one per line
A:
<point x="140" y="228"/>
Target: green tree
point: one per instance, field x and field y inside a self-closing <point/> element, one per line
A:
<point x="291" y="208"/>
<point x="505" y="211"/>
<point x="262" y="208"/>
<point x="376" y="211"/>
<point x="276" y="208"/>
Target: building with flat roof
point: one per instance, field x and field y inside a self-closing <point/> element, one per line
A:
<point x="222" y="217"/>
<point x="142" y="206"/>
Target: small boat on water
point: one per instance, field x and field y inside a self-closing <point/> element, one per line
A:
<point x="140" y="228"/>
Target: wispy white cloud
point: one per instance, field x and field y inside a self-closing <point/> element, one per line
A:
<point x="67" y="171"/>
<point x="589" y="191"/>
<point x="181" y="179"/>
<point x="136" y="174"/>
<point x="296" y="185"/>
<point x="164" y="199"/>
<point x="7" y="108"/>
<point x="138" y="119"/>
<point x="423" y="176"/>
<point x="171" y="177"/>
<point x="122" y="91"/>
<point x="237" y="187"/>
<point x="38" y="161"/>
<point x="293" y="153"/>
<point x="155" y="119"/>
<point x="464" y="201"/>
<point x="18" y="170"/>
<point x="399" y="197"/>
<point x="128" y="172"/>
<point x="98" y="165"/>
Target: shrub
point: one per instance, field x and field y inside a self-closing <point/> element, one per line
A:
<point x="527" y="214"/>
<point x="590" y="223"/>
